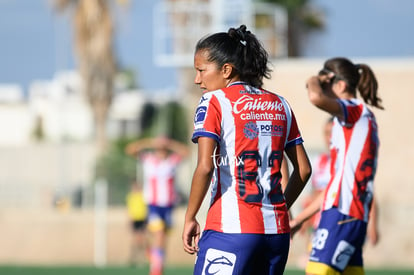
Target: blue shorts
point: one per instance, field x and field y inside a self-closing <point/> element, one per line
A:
<point x="242" y="254"/>
<point x="159" y="218"/>
<point x="338" y="240"/>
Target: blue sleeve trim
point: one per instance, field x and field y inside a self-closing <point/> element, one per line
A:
<point x="294" y="142"/>
<point x="196" y="135"/>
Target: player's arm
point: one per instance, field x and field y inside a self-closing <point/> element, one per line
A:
<point x="199" y="187"/>
<point x="133" y="148"/>
<point x="307" y="213"/>
<point x="178" y="147"/>
<point x="324" y="99"/>
<point x="301" y="172"/>
<point x="284" y="170"/>
<point x="372" y="231"/>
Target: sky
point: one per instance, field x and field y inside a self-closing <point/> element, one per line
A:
<point x="35" y="41"/>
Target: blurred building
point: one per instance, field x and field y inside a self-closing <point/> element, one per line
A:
<point x="181" y="23"/>
<point x="15" y="117"/>
<point x="55" y="110"/>
<point x="60" y="109"/>
<point x="47" y="149"/>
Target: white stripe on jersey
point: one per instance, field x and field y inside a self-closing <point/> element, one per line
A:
<point x="159" y="175"/>
<point x="229" y="209"/>
<point x="336" y="138"/>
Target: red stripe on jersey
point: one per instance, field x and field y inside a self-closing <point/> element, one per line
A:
<point x="214" y="221"/>
<point x="154" y="190"/>
<point x="282" y="219"/>
<point x="251" y="219"/>
<point x="364" y="174"/>
<point x="354" y="113"/>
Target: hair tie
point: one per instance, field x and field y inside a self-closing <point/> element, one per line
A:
<point x="241" y="34"/>
<point x="359" y="68"/>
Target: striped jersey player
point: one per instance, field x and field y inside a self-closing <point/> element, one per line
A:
<point x="354" y="149"/>
<point x="242" y="133"/>
<point x="321" y="172"/>
<point x="347" y="202"/>
<point x="159" y="179"/>
<point x="252" y="128"/>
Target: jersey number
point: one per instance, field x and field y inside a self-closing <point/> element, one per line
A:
<point x="251" y="176"/>
<point x="319" y="239"/>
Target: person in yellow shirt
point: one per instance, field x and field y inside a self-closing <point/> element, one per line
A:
<point x="137" y="213"/>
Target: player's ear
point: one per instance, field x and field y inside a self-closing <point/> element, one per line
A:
<point x="227" y="70"/>
<point x="341" y="84"/>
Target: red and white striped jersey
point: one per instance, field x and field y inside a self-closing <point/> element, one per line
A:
<point x="321" y="173"/>
<point x="159" y="179"/>
<point x="354" y="150"/>
<point x="252" y="128"/>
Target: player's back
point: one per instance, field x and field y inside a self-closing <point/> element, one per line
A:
<point x="254" y="127"/>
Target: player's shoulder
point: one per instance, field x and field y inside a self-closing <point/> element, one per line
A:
<point x="207" y="96"/>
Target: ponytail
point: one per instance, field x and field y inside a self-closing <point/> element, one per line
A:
<point x="252" y="58"/>
<point x="368" y="86"/>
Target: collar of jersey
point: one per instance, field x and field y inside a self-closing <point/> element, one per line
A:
<point x="237" y="83"/>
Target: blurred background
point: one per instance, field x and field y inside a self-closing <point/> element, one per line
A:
<point x="80" y="79"/>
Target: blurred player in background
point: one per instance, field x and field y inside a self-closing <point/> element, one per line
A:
<point x="137" y="212"/>
<point x="160" y="158"/>
<point x="319" y="180"/>
<point x="242" y="132"/>
<point x="348" y="198"/>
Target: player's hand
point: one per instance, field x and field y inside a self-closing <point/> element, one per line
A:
<point x="294" y="227"/>
<point x="326" y="78"/>
<point x="191" y="236"/>
<point x="373" y="234"/>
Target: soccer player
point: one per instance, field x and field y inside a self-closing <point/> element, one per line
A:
<point x="242" y="132"/>
<point x="137" y="212"/>
<point x="348" y="197"/>
<point x="160" y="157"/>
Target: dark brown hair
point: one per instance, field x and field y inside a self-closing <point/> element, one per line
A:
<point x="357" y="77"/>
<point x="240" y="48"/>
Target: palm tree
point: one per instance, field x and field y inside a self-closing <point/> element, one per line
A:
<point x="93" y="31"/>
<point x="301" y="20"/>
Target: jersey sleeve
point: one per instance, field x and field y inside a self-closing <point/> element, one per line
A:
<point x="294" y="137"/>
<point x="207" y="118"/>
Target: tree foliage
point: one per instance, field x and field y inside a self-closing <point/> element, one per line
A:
<point x="302" y="19"/>
<point x="93" y="38"/>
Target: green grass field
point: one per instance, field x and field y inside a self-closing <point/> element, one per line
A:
<point x="65" y="270"/>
